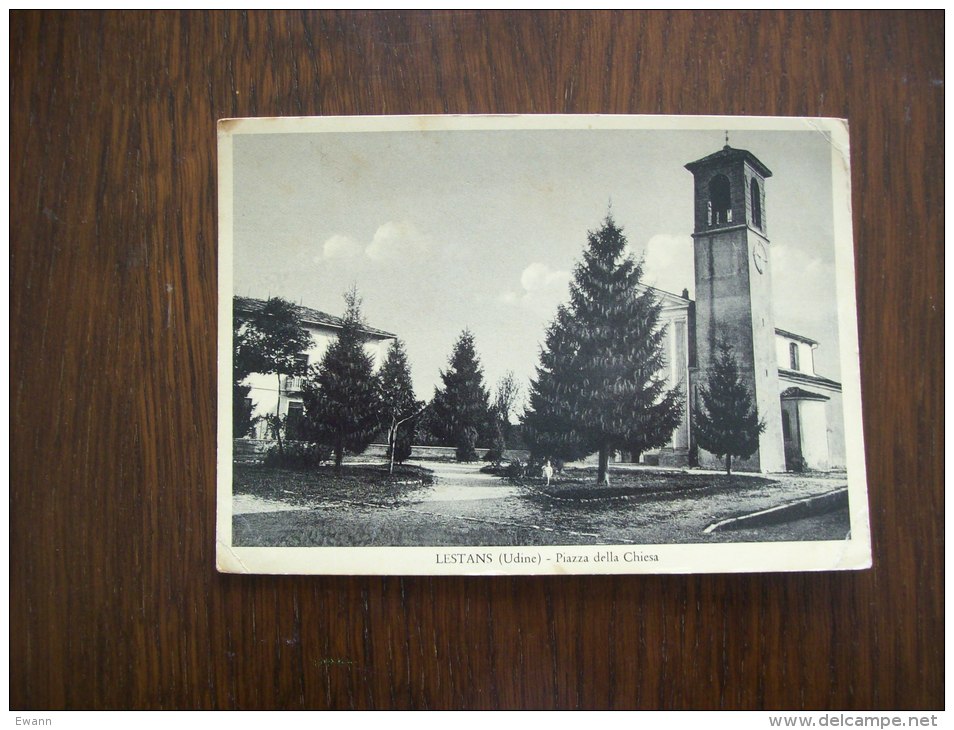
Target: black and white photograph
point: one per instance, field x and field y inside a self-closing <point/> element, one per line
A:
<point x="538" y="345"/>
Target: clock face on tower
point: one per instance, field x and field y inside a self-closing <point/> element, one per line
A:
<point x="760" y="256"/>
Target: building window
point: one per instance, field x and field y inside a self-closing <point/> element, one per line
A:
<point x="302" y="361"/>
<point x="680" y="361"/>
<point x="756" y="196"/>
<point x="793" y="355"/>
<point x="720" y="199"/>
<point x="293" y="424"/>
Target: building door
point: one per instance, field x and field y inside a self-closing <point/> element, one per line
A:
<point x="791" y="436"/>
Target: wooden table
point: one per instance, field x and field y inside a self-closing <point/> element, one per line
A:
<point x="115" y="602"/>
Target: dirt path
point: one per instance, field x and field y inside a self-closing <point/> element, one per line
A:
<point x="460" y="483"/>
<point x="460" y="492"/>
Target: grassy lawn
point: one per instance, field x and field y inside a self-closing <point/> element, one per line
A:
<point x="666" y="506"/>
<point x="359" y="483"/>
<point x="330" y="527"/>
<point x="580" y="485"/>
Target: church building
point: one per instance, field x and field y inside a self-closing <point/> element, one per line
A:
<point x="802" y="410"/>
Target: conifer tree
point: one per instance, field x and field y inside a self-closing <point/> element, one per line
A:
<point x="460" y="409"/>
<point x="598" y="387"/>
<point x="341" y="398"/>
<point x="398" y="402"/>
<point x="549" y="424"/>
<point x="726" y="422"/>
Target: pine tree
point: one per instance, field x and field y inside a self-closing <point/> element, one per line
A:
<point x="398" y="402"/>
<point x="341" y="398"/>
<point x="598" y="387"/>
<point x="549" y="424"/>
<point x="460" y="409"/>
<point x="726" y="422"/>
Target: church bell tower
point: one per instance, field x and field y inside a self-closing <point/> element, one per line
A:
<point x="734" y="288"/>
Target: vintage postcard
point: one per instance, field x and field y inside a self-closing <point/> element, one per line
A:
<point x="538" y="345"/>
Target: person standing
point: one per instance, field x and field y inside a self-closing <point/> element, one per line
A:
<point x="548" y="471"/>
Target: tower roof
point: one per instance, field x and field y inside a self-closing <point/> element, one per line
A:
<point x="729" y="154"/>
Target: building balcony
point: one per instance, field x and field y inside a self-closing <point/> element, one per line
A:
<point x="293" y="384"/>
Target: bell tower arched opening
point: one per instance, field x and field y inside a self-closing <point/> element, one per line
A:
<point x="720" y="201"/>
<point x="755" y="196"/>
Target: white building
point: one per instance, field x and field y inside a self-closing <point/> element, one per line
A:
<point x="271" y="392"/>
<point x="812" y="425"/>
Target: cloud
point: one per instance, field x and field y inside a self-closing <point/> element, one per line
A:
<point x="396" y="240"/>
<point x="669" y="263"/>
<point x="539" y="277"/>
<point x="541" y="289"/>
<point x="392" y="241"/>
<point x="338" y="247"/>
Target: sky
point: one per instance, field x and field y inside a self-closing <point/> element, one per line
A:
<point x="446" y="230"/>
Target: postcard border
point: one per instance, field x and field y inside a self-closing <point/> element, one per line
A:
<point x="850" y="554"/>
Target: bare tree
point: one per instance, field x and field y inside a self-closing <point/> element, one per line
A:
<point x="504" y="406"/>
<point x="507" y="396"/>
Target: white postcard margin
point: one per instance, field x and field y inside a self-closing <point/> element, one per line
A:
<point x="853" y="553"/>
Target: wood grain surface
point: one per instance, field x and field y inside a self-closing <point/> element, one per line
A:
<point x="114" y="598"/>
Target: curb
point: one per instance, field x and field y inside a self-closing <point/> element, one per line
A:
<point x="809" y="507"/>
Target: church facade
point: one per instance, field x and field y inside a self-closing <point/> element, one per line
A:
<point x="801" y="409"/>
